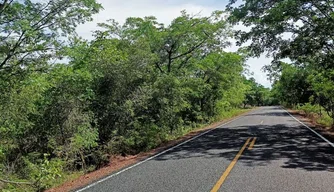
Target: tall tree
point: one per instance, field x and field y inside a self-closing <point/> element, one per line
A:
<point x="175" y="45"/>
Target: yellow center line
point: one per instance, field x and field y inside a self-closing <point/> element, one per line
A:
<point x="252" y="144"/>
<point x="229" y="168"/>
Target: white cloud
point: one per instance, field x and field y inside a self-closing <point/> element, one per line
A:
<point x="165" y="11"/>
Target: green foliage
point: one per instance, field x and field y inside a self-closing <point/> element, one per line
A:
<point x="309" y="109"/>
<point x="31" y="31"/>
<point x="257" y="94"/>
<point x="316" y="112"/>
<point x="130" y="89"/>
<point x="323" y="85"/>
<point x="325" y="120"/>
<point x="310" y="22"/>
<point x="303" y="86"/>
<point x="44" y="172"/>
<point x="292" y="87"/>
<point x="300" y="30"/>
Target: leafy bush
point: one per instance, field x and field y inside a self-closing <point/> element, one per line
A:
<point x="309" y="109"/>
<point x="317" y="112"/>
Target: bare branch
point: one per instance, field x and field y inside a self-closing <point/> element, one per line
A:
<point x="11" y="51"/>
<point x="184" y="62"/>
<point x="4" y="5"/>
<point x="16" y="182"/>
<point x="190" y="50"/>
<point x="158" y="66"/>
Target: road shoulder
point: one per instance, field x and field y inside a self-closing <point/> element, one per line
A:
<point x="326" y="132"/>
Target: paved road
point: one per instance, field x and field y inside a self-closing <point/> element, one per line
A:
<point x="285" y="157"/>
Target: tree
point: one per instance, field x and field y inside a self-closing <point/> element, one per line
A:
<point x="185" y="38"/>
<point x="30" y="32"/>
<point x="323" y="84"/>
<point x="300" y="30"/>
<point x="131" y="88"/>
<point x="257" y="94"/>
<point x="293" y="85"/>
<point x="296" y="29"/>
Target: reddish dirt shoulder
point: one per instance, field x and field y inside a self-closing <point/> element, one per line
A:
<point x="119" y="162"/>
<point x="326" y="132"/>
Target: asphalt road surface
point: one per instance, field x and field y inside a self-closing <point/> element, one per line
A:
<point x="263" y="151"/>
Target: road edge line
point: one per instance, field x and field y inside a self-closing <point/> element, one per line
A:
<point x="318" y="134"/>
<point x="154" y="156"/>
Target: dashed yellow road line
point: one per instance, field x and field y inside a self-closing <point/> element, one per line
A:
<point x="252" y="144"/>
<point x="229" y="168"/>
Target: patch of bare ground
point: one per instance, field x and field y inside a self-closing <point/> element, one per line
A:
<point x="119" y="162"/>
<point x="311" y="121"/>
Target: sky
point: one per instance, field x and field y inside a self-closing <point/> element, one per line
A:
<point x="165" y="11"/>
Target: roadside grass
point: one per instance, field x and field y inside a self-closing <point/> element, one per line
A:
<point x="223" y="116"/>
<point x="66" y="176"/>
<point x="324" y="120"/>
<point x="69" y="176"/>
<point x="316" y="113"/>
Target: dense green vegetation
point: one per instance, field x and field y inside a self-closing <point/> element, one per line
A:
<point x="131" y="88"/>
<point x="67" y="104"/>
<point x="298" y="30"/>
<point x="257" y="95"/>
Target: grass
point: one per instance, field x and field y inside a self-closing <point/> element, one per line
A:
<point x="232" y="113"/>
<point x="324" y="120"/>
<point x="69" y="176"/>
<point x="224" y="115"/>
<point x="316" y="113"/>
